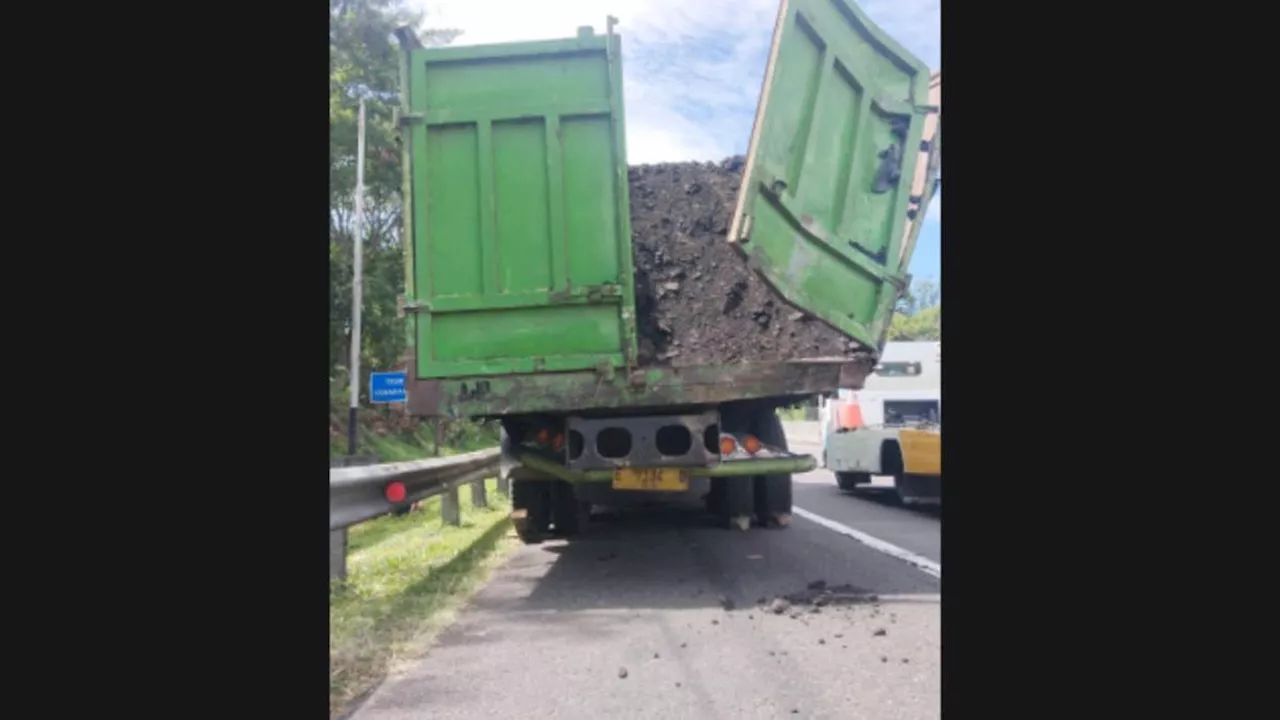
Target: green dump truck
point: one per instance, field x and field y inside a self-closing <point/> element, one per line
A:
<point x="520" y="284"/>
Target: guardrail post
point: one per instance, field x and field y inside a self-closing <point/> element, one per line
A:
<point x="338" y="538"/>
<point x="338" y="554"/>
<point x="451" y="507"/>
<point x="478" y="498"/>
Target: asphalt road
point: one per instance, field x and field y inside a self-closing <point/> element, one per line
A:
<point x="630" y="621"/>
<point x="874" y="510"/>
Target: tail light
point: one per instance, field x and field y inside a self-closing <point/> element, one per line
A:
<point x="727" y="445"/>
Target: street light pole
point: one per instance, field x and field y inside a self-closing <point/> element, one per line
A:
<point x="357" y="285"/>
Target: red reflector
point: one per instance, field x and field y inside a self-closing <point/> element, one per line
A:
<point x="395" y="492"/>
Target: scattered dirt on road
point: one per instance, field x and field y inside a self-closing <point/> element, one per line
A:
<point x="818" y="594"/>
<point x="698" y="303"/>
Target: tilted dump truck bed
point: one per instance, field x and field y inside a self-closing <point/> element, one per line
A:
<point x="520" y="285"/>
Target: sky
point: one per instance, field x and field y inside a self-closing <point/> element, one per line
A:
<point x="691" y="71"/>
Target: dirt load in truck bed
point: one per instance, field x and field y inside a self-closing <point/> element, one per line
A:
<point x="698" y="303"/>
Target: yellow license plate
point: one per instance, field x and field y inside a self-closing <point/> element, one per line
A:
<point x="655" y="480"/>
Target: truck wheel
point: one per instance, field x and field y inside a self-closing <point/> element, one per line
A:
<point x="567" y="514"/>
<point x="531" y="503"/>
<point x="772" y="492"/>
<point x="851" y="480"/>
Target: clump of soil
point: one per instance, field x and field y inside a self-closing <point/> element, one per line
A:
<point x="697" y="301"/>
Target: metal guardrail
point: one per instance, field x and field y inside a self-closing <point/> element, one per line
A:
<point x="358" y="494"/>
<point x="361" y="492"/>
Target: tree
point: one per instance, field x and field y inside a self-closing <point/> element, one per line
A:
<point x="919" y="313"/>
<point x="364" y="62"/>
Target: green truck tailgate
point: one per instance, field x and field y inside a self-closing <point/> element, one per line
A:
<point x="521" y="252"/>
<point x="519" y="257"/>
<point x="823" y="207"/>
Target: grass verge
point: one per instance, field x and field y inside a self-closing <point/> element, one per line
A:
<point x="411" y="443"/>
<point x="406" y="576"/>
<point x="795" y="413"/>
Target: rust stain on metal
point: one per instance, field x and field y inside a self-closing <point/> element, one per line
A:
<point x="424" y="396"/>
<point x="569" y="392"/>
<point x="854" y="374"/>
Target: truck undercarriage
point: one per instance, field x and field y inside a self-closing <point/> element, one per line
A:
<point x="733" y="458"/>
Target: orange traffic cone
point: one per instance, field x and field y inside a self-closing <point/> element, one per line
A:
<point x="850" y="417"/>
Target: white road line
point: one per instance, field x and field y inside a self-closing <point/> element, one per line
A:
<point x="926" y="565"/>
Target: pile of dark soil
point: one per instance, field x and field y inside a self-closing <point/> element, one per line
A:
<point x="698" y="303"/>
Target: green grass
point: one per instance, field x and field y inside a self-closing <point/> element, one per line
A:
<point x="415" y="443"/>
<point x="398" y="447"/>
<point x="405" y="577"/>
<point x="791" y="414"/>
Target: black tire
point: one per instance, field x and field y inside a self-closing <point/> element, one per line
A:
<point x="737" y="497"/>
<point x="850" y="481"/>
<point x="534" y="497"/>
<point x="730" y="497"/>
<point x="715" y="497"/>
<point x="567" y="514"/>
<point x="918" y="489"/>
<point x="772" y="492"/>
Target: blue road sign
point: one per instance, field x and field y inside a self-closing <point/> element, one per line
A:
<point x="387" y="387"/>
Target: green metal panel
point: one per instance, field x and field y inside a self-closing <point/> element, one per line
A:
<point x="520" y="259"/>
<point x="821" y="214"/>
<point x="652" y="387"/>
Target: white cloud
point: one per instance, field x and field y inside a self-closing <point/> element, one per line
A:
<point x="692" y="71"/>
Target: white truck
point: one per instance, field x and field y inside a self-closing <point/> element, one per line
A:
<point x="892" y="427"/>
